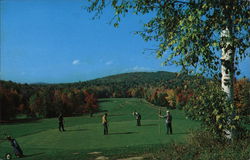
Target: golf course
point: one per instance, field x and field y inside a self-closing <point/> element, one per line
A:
<point x="84" y="139"/>
<point x="125" y="80"/>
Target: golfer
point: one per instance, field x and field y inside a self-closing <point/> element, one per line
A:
<point x="168" y="121"/>
<point x="138" y="119"/>
<point x="61" y="123"/>
<point x="105" y="123"/>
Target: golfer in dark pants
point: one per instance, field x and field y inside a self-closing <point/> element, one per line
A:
<point x="61" y="123"/>
<point x="138" y="119"/>
<point x="105" y="123"/>
<point x="168" y="122"/>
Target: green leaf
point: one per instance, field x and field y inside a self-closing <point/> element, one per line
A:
<point x="236" y="117"/>
<point x="215" y="112"/>
<point x="217" y="118"/>
<point x="190" y="18"/>
<point x="116" y="25"/>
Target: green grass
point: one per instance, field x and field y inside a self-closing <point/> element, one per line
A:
<point x="41" y="139"/>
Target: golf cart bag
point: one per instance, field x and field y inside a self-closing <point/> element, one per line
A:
<point x="17" y="149"/>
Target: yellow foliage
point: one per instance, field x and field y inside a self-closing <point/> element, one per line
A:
<point x="171" y="97"/>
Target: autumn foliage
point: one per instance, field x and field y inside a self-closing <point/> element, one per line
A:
<point x="44" y="101"/>
<point x="81" y="98"/>
<point x="242" y="96"/>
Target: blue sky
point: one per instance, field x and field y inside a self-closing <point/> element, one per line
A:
<point x="57" y="41"/>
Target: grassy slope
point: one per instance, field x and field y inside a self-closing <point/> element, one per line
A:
<point x="42" y="140"/>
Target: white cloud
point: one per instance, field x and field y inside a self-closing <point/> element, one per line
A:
<point x="137" y="68"/>
<point x="109" y="63"/>
<point x="75" y="62"/>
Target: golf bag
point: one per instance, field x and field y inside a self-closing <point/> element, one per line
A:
<point x="17" y="149"/>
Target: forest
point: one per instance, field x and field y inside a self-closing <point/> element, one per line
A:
<point x="171" y="90"/>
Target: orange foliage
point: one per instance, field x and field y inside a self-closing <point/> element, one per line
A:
<point x="242" y="94"/>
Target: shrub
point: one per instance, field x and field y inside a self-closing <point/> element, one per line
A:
<point x="210" y="105"/>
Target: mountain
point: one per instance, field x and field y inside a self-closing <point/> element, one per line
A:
<point x="135" y="79"/>
<point x="140" y="77"/>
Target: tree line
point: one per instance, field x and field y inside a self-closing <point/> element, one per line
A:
<point x="49" y="100"/>
<point x="43" y="101"/>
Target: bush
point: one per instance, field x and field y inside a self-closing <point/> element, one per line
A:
<point x="210" y="105"/>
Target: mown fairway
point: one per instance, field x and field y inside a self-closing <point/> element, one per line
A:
<point x="41" y="139"/>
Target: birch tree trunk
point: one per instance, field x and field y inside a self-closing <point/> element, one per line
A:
<point x="227" y="67"/>
<point x="227" y="70"/>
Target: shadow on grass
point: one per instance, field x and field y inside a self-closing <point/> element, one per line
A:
<point x="75" y="130"/>
<point x="32" y="155"/>
<point x="149" y="125"/>
<point x="122" y="133"/>
<point x="113" y="115"/>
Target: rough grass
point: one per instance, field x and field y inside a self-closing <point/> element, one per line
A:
<point x="40" y="139"/>
<point x="202" y="146"/>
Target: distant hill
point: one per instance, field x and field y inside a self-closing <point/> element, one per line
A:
<point x="40" y="83"/>
<point x="140" y="77"/>
<point x="135" y="79"/>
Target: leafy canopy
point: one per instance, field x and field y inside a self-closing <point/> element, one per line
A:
<point x="188" y="31"/>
